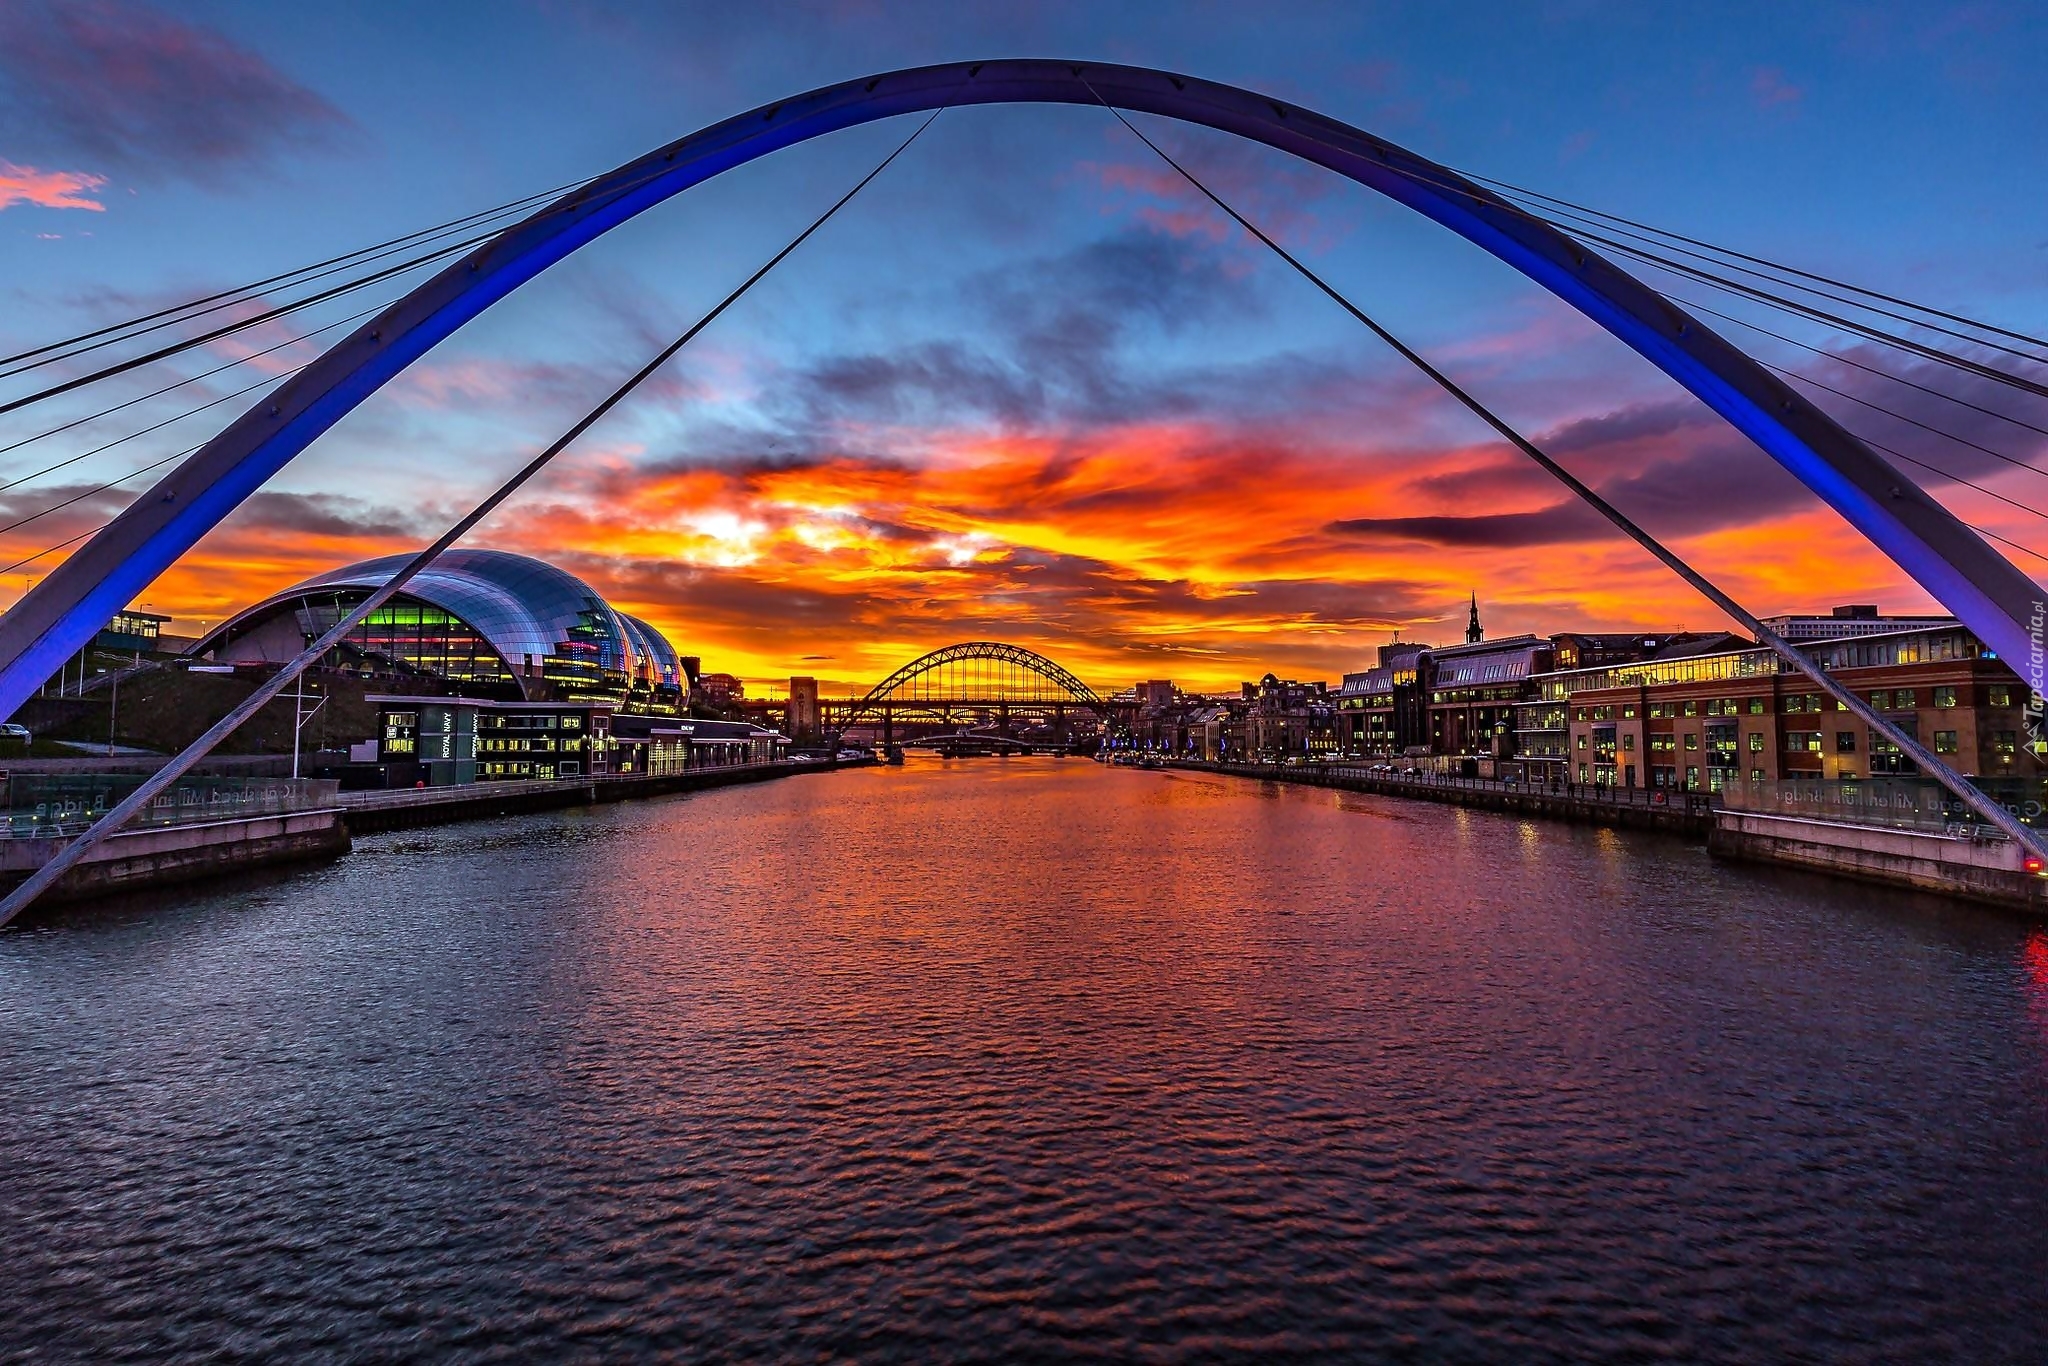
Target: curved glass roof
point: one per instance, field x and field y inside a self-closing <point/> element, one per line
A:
<point x="522" y="606"/>
<point x="664" y="666"/>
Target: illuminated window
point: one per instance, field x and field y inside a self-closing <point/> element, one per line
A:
<point x="1903" y="699"/>
<point x="1944" y="697"/>
<point x="1845" y="742"/>
<point x="1756" y="742"/>
<point x="1881" y="700"/>
<point x="1944" y="742"/>
<point x="1999" y="695"/>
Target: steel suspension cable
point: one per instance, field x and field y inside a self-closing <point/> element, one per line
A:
<point x="1838" y="357"/>
<point x="1977" y="323"/>
<point x="1876" y="334"/>
<point x="190" y="379"/>
<point x="66" y="858"/>
<point x="164" y="352"/>
<point x="1909" y="320"/>
<point x="184" y="318"/>
<point x="53" y="549"/>
<point x="612" y="195"/>
<point x="300" y="273"/>
<point x="1992" y="811"/>
<point x="123" y="440"/>
<point x="1799" y="310"/>
<point x="1765" y="297"/>
<point x="1950" y="475"/>
<point x="1795" y="376"/>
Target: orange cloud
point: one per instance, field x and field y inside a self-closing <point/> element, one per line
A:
<point x="1143" y="550"/>
<point x="49" y="189"/>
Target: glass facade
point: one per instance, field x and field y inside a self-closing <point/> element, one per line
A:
<point x="490" y="622"/>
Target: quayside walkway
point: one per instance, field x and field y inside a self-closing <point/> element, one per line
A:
<point x="214" y="825"/>
<point x="1967" y="861"/>
<point x="404" y="808"/>
<point x="1638" y="808"/>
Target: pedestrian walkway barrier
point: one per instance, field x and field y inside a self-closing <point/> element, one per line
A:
<point x="46" y="805"/>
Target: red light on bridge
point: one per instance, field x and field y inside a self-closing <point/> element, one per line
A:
<point x="2032" y="863"/>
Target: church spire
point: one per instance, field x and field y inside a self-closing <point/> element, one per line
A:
<point x="1473" y="633"/>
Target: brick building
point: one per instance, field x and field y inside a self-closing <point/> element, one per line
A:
<point x="1703" y="722"/>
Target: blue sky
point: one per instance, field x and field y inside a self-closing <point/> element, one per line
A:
<point x="1016" y="299"/>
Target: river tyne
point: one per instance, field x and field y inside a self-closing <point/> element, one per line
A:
<point x="1016" y="1059"/>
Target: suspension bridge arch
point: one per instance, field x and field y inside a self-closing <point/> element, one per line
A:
<point x="1957" y="567"/>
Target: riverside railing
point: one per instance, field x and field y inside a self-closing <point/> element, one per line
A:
<point x="1888" y="803"/>
<point x="1653" y="799"/>
<point x="47" y="805"/>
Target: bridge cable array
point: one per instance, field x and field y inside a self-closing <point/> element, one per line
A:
<point x="1992" y="811"/>
<point x="1526" y="195"/>
<point x="227" y="298"/>
<point x="1793" y="308"/>
<point x="1570" y="224"/>
<point x="1969" y="367"/>
<point x="438" y="254"/>
<point x="66" y="858"/>
<point x="153" y="465"/>
<point x="368" y="253"/>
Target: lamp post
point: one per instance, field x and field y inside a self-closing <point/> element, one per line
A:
<point x="300" y="716"/>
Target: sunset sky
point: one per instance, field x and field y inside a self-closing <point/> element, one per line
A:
<point x="1025" y="388"/>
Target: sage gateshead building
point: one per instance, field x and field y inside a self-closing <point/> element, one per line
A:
<point x="479" y="623"/>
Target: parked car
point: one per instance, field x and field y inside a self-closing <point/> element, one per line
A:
<point x="10" y="731"/>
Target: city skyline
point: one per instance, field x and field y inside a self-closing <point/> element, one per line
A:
<point x="1027" y="389"/>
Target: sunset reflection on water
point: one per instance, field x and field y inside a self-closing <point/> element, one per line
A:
<point x="993" y="1058"/>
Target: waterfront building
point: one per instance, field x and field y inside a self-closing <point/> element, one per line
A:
<point x="719" y="690"/>
<point x="1282" y="718"/>
<point x="1858" y="619"/>
<point x="438" y="741"/>
<point x="1156" y="692"/>
<point x="802" y="716"/>
<point x="1473" y="689"/>
<point x="481" y="623"/>
<point x="1384" y="712"/>
<point x="659" y="745"/>
<point x="1593" y="649"/>
<point x="1455" y="701"/>
<point x="1542" y="720"/>
<point x="1702" y="722"/>
<point x="122" y="642"/>
<point x="1208" y="728"/>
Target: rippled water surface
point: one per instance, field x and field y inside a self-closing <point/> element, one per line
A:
<point x="1013" y="1059"/>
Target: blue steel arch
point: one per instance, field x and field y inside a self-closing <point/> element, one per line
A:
<point x="62" y="613"/>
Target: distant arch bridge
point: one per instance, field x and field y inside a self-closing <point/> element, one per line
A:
<point x="983" y="683"/>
